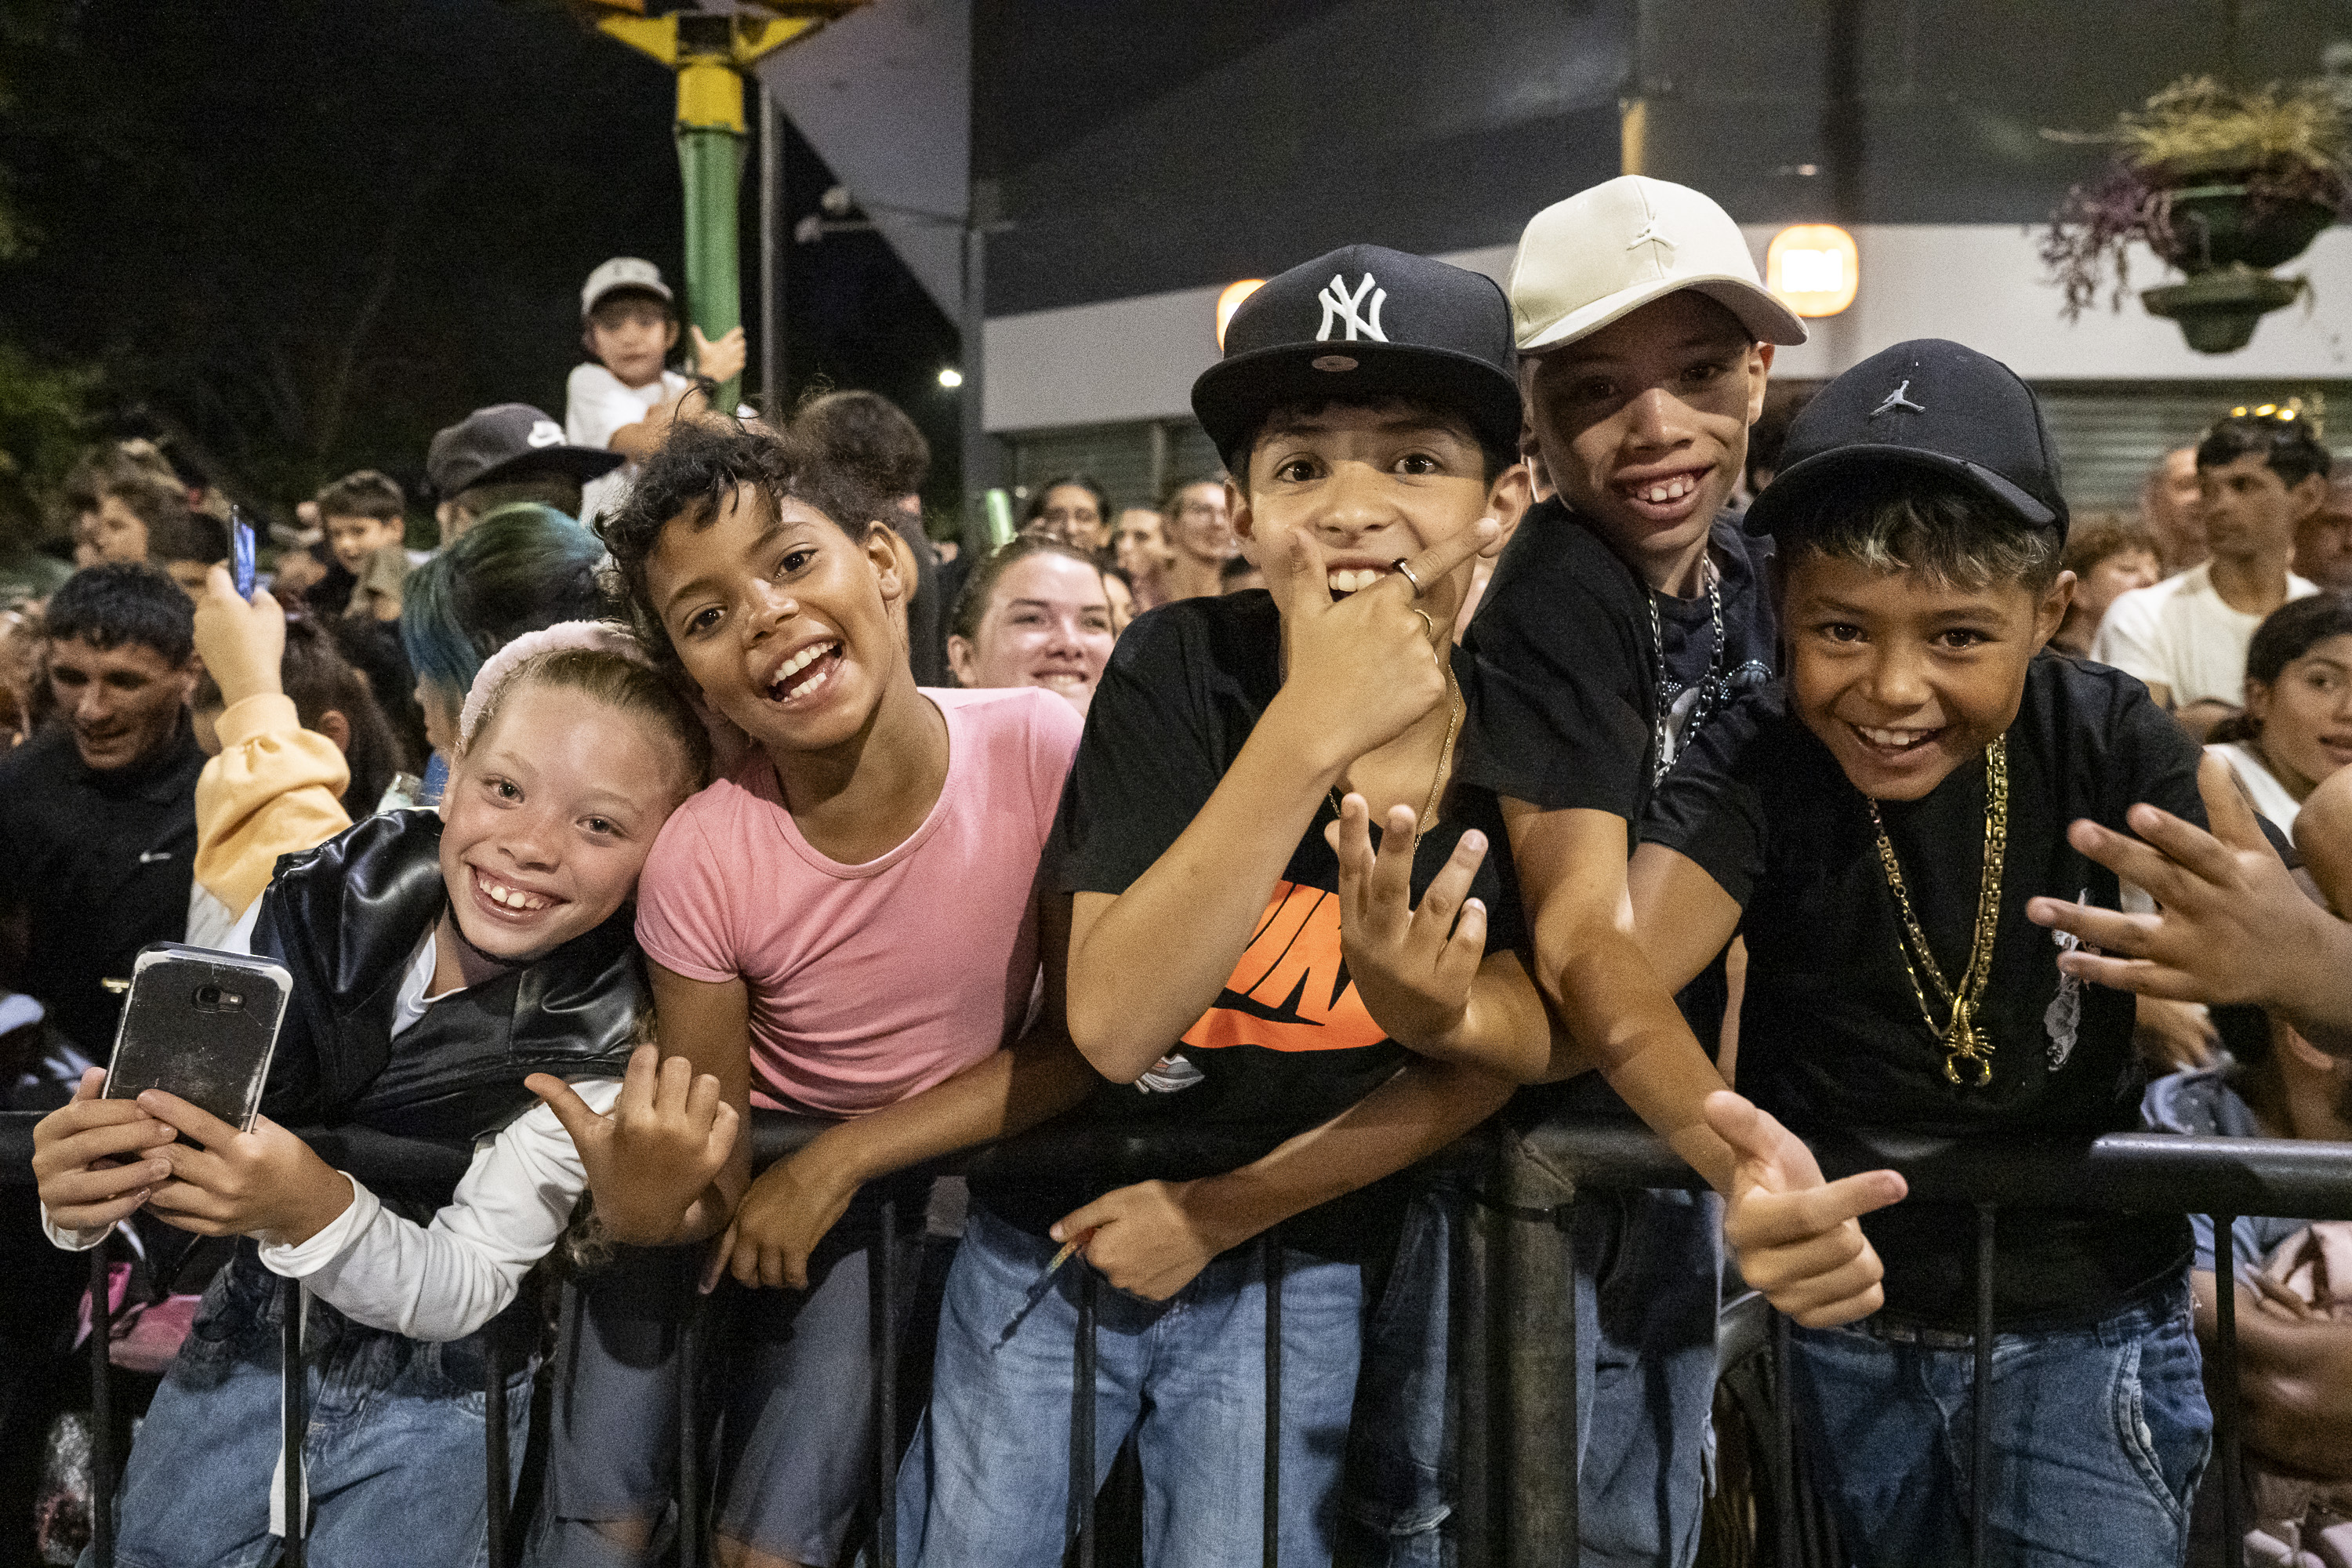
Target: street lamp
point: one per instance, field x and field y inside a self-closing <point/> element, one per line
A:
<point x="1813" y="268"/>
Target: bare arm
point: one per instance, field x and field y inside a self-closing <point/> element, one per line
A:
<point x="796" y="1201"/>
<point x="1607" y="989"/>
<point x="1152" y="1237"/>
<point x="2294" y="1383"/>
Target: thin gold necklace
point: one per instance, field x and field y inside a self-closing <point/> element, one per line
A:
<point x="1444" y="760"/>
<point x="1963" y="1038"/>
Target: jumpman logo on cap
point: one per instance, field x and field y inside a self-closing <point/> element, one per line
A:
<point x="1341" y="307"/>
<point x="1651" y="234"/>
<point x="1898" y="399"/>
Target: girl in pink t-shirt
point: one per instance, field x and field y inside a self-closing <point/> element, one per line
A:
<point x="850" y="924"/>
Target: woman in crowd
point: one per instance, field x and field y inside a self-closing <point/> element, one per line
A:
<point x="2296" y="728"/>
<point x="437" y="959"/>
<point x="1036" y="613"/>
<point x="849" y="924"/>
<point x="1074" y="509"/>
<point x="2109" y="555"/>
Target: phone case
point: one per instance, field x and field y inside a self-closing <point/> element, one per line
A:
<point x="201" y="1025"/>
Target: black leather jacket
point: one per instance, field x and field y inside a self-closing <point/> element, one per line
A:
<point x="345" y="919"/>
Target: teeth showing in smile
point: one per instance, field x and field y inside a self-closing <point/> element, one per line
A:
<point x="1349" y="580"/>
<point x="1901" y="740"/>
<point x="511" y="898"/>
<point x="1070" y="679"/>
<point x="1664" y="491"/>
<point x="781" y="690"/>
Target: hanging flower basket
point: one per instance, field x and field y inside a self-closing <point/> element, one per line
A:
<point x="2223" y="184"/>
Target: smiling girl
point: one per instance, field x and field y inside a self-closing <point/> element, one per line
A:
<point x="1036" y="613"/>
<point x="437" y="958"/>
<point x="850" y="925"/>
<point x="2296" y="728"/>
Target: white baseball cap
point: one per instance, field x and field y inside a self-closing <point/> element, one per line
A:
<point x="623" y="272"/>
<point x="1609" y="250"/>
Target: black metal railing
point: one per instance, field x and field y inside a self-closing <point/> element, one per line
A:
<point x="1512" y="1307"/>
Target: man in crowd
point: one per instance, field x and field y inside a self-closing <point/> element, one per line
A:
<point x="2323" y="545"/>
<point x="507" y="453"/>
<point x="2168" y="510"/>
<point x="1199" y="539"/>
<point x="97" y="823"/>
<point x="2261" y="476"/>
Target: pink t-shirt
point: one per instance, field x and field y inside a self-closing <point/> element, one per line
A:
<point x="870" y="983"/>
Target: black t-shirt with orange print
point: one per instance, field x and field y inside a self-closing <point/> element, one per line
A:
<point x="1288" y="1044"/>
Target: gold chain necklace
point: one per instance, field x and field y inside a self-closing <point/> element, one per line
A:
<point x="1963" y="1040"/>
<point x="1444" y="760"/>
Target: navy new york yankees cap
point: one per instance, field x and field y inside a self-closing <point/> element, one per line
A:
<point x="1365" y="324"/>
<point x="1927" y="403"/>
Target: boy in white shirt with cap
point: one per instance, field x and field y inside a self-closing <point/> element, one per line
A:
<point x="626" y="397"/>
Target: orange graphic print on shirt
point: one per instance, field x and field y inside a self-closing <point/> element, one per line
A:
<point x="1290" y="991"/>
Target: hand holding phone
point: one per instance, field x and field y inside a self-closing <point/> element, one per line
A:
<point x="96" y="1161"/>
<point x="201" y="1026"/>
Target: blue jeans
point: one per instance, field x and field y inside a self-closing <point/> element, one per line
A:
<point x="987" y="1480"/>
<point x="2099" y="1434"/>
<point x="393" y="1459"/>
<point x="1648" y="1268"/>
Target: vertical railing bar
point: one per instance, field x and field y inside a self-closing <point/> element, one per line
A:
<point x="1980" y="1427"/>
<point x="1784" y="1446"/>
<point x="689" y="1436"/>
<point x="886" y="1391"/>
<point x="101" y="1408"/>
<point x="2225" y="1420"/>
<point x="1082" y="1423"/>
<point x="1573" y="1495"/>
<point x="1270" y="1254"/>
<point x="494" y="1446"/>
<point x="294" y="1398"/>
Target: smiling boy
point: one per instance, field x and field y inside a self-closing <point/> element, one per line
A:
<point x="1225" y="973"/>
<point x="626" y="398"/>
<point x="1874" y="826"/>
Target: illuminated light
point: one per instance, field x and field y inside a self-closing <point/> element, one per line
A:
<point x="1813" y="268"/>
<point x="950" y="378"/>
<point x="1231" y="301"/>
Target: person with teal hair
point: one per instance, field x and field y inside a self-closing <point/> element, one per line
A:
<point x="520" y="568"/>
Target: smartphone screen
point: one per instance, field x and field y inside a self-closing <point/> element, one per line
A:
<point x="201" y="1025"/>
<point x="240" y="552"/>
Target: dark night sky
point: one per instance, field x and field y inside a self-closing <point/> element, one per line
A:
<point x="302" y="237"/>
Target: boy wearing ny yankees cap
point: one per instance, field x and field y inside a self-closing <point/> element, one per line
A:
<point x="1242" y="963"/>
<point x="1874" y="824"/>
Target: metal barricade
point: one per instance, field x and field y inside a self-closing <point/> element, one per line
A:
<point x="1512" y="1305"/>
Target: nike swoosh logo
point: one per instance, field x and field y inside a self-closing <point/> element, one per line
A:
<point x="149" y="857"/>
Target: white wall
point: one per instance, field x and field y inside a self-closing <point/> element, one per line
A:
<point x="1978" y="283"/>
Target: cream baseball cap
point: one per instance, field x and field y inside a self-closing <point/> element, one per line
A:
<point x="1609" y="250"/>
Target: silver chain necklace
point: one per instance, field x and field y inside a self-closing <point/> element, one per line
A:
<point x="1708" y="684"/>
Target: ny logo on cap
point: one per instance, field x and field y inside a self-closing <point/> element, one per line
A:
<point x="545" y="432"/>
<point x="1338" y="305"/>
<point x="1898" y="399"/>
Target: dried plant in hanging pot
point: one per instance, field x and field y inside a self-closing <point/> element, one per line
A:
<point x="2215" y="180"/>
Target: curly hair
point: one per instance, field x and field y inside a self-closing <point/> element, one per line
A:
<point x="689" y="482"/>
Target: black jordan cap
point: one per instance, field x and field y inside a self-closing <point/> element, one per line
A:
<point x="1929" y="404"/>
<point x="1365" y="324"/>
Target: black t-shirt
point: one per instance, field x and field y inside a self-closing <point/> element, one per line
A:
<point x="1288" y="1044"/>
<point x="1564" y="696"/>
<point x="926" y="616"/>
<point x="1831" y="1038"/>
<point x="95" y="866"/>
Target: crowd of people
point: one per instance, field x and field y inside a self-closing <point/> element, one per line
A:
<point x="1541" y="715"/>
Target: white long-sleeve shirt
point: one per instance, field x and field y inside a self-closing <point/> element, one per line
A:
<point x="444" y="1281"/>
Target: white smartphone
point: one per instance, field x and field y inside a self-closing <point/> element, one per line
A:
<point x="201" y="1025"/>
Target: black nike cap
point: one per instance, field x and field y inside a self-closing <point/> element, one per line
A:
<point x="1365" y="324"/>
<point x="1930" y="404"/>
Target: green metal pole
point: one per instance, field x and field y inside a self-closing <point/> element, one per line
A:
<point x="710" y="130"/>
